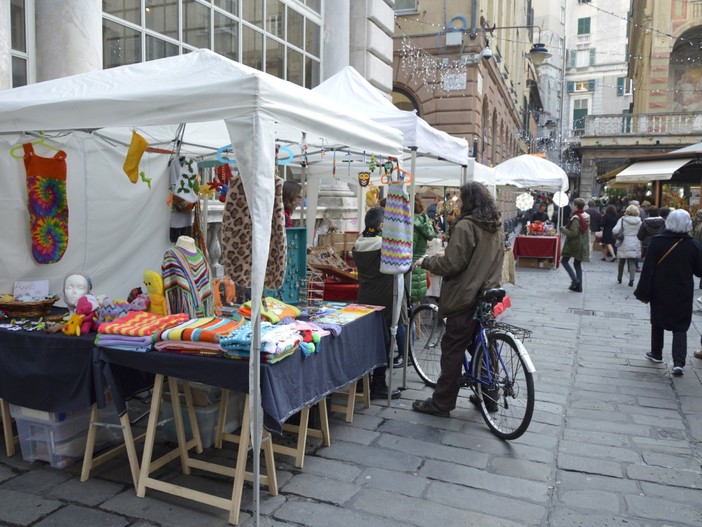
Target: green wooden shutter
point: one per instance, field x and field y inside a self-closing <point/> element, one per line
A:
<point x="620" y="86"/>
<point x="570" y="85"/>
<point x="591" y="85"/>
<point x="573" y="57"/>
<point x="579" y="119"/>
<point x="592" y="56"/>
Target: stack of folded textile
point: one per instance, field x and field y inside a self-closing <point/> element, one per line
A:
<point x="198" y="336"/>
<point x="277" y="342"/>
<point x="136" y="330"/>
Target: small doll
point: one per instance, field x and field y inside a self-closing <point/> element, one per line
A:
<point x="87" y="306"/>
<point x="140" y="303"/>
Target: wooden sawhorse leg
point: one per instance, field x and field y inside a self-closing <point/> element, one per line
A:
<point x="351" y="397"/>
<point x="302" y="431"/>
<point x="10" y="438"/>
<point x="129" y="445"/>
<point x="239" y="472"/>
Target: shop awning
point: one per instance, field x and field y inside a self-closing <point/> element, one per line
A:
<point x="608" y="176"/>
<point x="645" y="171"/>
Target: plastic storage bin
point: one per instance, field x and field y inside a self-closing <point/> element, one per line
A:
<point x="206" y="420"/>
<point x="62" y="443"/>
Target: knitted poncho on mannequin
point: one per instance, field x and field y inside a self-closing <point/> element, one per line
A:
<point x="186" y="283"/>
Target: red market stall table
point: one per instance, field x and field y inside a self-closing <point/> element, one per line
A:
<point x="287" y="387"/>
<point x="538" y="247"/>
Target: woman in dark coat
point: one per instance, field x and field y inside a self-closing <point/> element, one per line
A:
<point x="667" y="282"/>
<point x="609" y="220"/>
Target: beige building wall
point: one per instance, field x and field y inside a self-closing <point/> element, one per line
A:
<point x="464" y="95"/>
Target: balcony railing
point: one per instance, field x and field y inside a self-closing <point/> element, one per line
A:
<point x="643" y="124"/>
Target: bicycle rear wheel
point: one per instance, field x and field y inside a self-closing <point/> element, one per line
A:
<point x="507" y="404"/>
<point x="426" y="330"/>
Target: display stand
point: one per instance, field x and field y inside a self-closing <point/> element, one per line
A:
<point x="536" y="251"/>
<point x="239" y="473"/>
<point x="302" y="430"/>
<point x="10" y="437"/>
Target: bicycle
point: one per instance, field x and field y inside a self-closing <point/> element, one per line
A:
<point x="496" y="365"/>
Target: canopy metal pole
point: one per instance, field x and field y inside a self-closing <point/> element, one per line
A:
<point x="408" y="329"/>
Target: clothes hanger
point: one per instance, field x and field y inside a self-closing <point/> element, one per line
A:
<point x="18" y="151"/>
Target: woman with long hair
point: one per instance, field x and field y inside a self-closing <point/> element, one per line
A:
<point x="292" y="195"/>
<point x="466" y="270"/>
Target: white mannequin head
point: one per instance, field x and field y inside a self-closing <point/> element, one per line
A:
<point x="74" y="287"/>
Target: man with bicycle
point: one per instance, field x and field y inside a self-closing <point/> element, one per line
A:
<point x="472" y="261"/>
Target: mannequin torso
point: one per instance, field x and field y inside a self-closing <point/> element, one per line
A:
<point x="186" y="243"/>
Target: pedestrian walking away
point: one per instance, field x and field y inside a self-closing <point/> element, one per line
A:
<point x="577" y="244"/>
<point x="667" y="284"/>
<point x="629" y="247"/>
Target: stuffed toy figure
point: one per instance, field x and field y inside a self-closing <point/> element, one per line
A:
<point x="87" y="306"/>
<point x="140" y="303"/>
<point x="72" y="327"/>
<point x="154" y="286"/>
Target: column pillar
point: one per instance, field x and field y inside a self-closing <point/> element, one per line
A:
<point x="336" y="31"/>
<point x="68" y="37"/>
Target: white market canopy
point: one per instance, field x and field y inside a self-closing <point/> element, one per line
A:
<point x="348" y="87"/>
<point x="528" y="171"/>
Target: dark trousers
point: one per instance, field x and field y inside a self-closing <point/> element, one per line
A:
<point x="631" y="263"/>
<point x="378" y="376"/>
<point x="576" y="276"/>
<point x="460" y="329"/>
<point x="679" y="345"/>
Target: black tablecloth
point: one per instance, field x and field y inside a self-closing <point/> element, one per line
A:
<point x="49" y="372"/>
<point x="286" y="386"/>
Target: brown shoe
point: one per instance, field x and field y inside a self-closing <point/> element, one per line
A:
<point x="698" y="354"/>
<point x="427" y="407"/>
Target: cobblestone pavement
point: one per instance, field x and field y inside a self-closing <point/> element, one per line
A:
<point x="614" y="441"/>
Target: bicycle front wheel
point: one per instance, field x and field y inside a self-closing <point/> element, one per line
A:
<point x="507" y="398"/>
<point x="426" y="330"/>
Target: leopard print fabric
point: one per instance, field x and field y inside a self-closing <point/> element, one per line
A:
<point x="236" y="237"/>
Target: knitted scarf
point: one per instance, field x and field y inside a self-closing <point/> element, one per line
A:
<point x="582" y="222"/>
<point x="186" y="283"/>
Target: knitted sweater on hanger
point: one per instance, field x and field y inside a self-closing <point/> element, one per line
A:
<point x="186" y="283"/>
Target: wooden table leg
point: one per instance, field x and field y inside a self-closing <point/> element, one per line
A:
<point x="7" y="428"/>
<point x="157" y="393"/>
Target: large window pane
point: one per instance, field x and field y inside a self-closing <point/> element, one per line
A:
<point x="295" y="67"/>
<point x="315" y="5"/>
<point x="312" y="40"/>
<point x="196" y="24"/>
<point x="296" y="28"/>
<point x="311" y="73"/>
<point x="252" y="52"/>
<point x="157" y="48"/>
<point x="162" y="17"/>
<point x="121" y="45"/>
<point x="17" y="24"/>
<point x="129" y="10"/>
<point x="275" y="18"/>
<point x="226" y="36"/>
<point x="230" y="6"/>
<point x="253" y="12"/>
<point x="19" y="72"/>
<point x="275" y="58"/>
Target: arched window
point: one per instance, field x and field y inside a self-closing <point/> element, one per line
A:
<point x="685" y="79"/>
<point x="404" y="100"/>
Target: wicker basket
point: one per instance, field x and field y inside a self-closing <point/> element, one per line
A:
<point x="39" y="308"/>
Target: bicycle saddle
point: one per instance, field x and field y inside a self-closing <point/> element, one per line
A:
<point x="493" y="295"/>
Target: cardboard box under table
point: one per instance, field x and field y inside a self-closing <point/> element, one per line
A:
<point x="287" y="387"/>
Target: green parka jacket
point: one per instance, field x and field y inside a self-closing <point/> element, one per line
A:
<point x="471" y="262"/>
<point x="576" y="244"/>
<point x="423" y="232"/>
